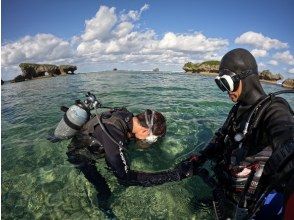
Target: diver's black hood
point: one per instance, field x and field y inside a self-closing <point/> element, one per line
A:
<point x="240" y="60"/>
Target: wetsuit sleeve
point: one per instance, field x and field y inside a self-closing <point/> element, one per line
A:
<point x="279" y="126"/>
<point x="279" y="123"/>
<point x="116" y="159"/>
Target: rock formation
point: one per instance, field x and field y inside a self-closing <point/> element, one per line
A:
<point x="19" y="78"/>
<point x="267" y="75"/>
<point x="67" y="69"/>
<point x="156" y="70"/>
<point x="288" y="83"/>
<point x="207" y="67"/>
<point x="2" y="82"/>
<point x="32" y="70"/>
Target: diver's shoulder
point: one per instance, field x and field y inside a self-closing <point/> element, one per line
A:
<point x="278" y="104"/>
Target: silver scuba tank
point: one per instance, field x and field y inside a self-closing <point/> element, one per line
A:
<point x="72" y="121"/>
<point x="74" y="118"/>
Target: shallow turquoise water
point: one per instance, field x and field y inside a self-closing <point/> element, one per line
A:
<point x="39" y="182"/>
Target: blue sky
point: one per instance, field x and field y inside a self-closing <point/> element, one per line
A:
<point x="142" y="35"/>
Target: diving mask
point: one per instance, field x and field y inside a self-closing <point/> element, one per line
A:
<point x="229" y="81"/>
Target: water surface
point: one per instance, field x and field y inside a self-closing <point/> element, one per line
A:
<point x="39" y="182"/>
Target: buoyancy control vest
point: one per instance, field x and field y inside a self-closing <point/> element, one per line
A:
<point x="246" y="152"/>
<point x="86" y="137"/>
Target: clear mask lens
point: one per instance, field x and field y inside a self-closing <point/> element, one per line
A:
<point x="225" y="83"/>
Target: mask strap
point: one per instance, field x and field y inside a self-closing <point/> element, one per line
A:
<point x="149" y="122"/>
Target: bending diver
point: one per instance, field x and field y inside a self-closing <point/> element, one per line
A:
<point x="108" y="135"/>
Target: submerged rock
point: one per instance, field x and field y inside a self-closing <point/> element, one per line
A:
<point x="288" y="83"/>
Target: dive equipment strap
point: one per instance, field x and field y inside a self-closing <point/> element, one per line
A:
<point x="119" y="144"/>
<point x="70" y="124"/>
<point x="241" y="209"/>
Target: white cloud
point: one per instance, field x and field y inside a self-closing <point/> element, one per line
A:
<point x="123" y="29"/>
<point x="291" y="70"/>
<point x="134" y="15"/>
<point x="261" y="65"/>
<point x="35" y="49"/>
<point x="144" y="8"/>
<point x="100" y="26"/>
<point x="259" y="52"/>
<point x="107" y="40"/>
<point x="285" y="57"/>
<point x="273" y="62"/>
<point x="260" y="41"/>
<point x="193" y="43"/>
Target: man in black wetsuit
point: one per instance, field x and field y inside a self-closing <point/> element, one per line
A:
<point x="253" y="150"/>
<point x="108" y="135"/>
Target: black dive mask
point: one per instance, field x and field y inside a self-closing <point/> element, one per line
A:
<point x="229" y="81"/>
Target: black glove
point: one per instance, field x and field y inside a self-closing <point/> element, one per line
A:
<point x="189" y="166"/>
<point x="185" y="169"/>
<point x="197" y="160"/>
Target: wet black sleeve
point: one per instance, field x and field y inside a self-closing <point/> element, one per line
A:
<point x="279" y="126"/>
<point x="116" y="159"/>
<point x="279" y="123"/>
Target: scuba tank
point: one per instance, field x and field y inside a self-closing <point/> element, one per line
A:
<point x="75" y="117"/>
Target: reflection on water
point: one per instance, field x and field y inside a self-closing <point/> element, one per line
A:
<point x="39" y="182"/>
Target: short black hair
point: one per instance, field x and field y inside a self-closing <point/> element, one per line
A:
<point x="159" y="122"/>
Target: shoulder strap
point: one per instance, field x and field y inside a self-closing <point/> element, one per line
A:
<point x="230" y="117"/>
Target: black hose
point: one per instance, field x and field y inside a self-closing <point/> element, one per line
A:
<point x="270" y="96"/>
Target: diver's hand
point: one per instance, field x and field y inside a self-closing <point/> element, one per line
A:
<point x="198" y="160"/>
<point x="190" y="166"/>
<point x="185" y="169"/>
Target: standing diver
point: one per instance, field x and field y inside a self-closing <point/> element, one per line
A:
<point x="107" y="135"/>
<point x="253" y="150"/>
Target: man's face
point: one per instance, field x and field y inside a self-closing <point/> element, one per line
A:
<point x="142" y="133"/>
<point x="234" y="96"/>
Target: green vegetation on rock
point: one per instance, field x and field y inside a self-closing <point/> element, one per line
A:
<point x="210" y="66"/>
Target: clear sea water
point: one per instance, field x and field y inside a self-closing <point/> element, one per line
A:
<point x="39" y="183"/>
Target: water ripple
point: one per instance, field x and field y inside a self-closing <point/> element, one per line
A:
<point x="37" y="180"/>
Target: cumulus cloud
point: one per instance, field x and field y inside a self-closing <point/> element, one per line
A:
<point x="110" y="37"/>
<point x="193" y="43"/>
<point x="261" y="65"/>
<point x="123" y="29"/>
<point x="260" y="41"/>
<point x="259" y="52"/>
<point x="273" y="62"/>
<point x="285" y="57"/>
<point x="291" y="70"/>
<point x="100" y="26"/>
<point x="134" y="15"/>
<point x="35" y="49"/>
